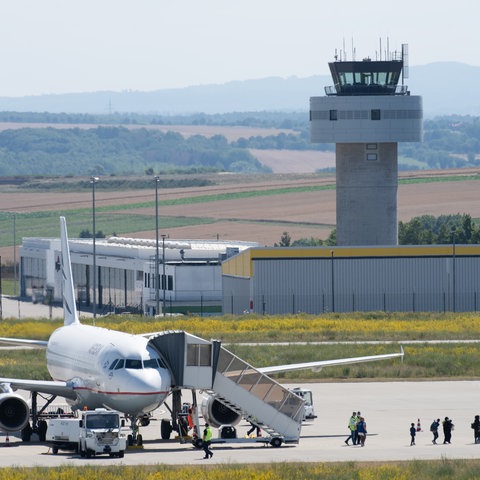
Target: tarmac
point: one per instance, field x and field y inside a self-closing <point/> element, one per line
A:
<point x="389" y="408"/>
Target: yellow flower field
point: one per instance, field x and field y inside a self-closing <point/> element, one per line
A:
<point x="351" y="326"/>
<point x="418" y="470"/>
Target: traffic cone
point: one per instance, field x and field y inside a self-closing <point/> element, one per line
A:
<point x="419" y="427"/>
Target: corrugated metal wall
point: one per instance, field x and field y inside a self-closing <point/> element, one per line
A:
<point x="318" y="285"/>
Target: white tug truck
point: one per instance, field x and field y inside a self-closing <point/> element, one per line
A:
<point x="95" y="432"/>
<point x="306" y="394"/>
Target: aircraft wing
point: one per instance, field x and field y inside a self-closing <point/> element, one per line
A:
<point x="25" y="342"/>
<point x="316" y="366"/>
<point x="42" y="386"/>
<point x="48" y="387"/>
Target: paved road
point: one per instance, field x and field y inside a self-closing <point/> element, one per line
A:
<point x="389" y="408"/>
<point x="14" y="308"/>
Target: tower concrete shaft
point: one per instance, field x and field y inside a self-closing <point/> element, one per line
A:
<point x="366" y="194"/>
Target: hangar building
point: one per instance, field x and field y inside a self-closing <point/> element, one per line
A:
<point x="346" y="279"/>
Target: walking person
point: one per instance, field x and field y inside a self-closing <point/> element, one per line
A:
<point x="254" y="427"/>
<point x="476" y="429"/>
<point x="413" y="432"/>
<point x="447" y="430"/>
<point x="207" y="439"/>
<point x="356" y="440"/>
<point x="352" y="427"/>
<point x="362" y="431"/>
<point x="434" y="429"/>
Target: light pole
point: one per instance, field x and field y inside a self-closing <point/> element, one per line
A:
<point x="157" y="279"/>
<point x="453" y="270"/>
<point x="14" y="255"/>
<point x="164" y="279"/>
<point x="332" y="253"/>
<point x="93" y="181"/>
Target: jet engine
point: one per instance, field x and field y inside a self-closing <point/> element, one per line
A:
<point x="216" y="413"/>
<point x="14" y="412"/>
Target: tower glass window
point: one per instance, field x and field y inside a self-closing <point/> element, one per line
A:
<point x="366" y="77"/>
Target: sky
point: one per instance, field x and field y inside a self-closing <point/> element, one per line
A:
<point x="70" y="46"/>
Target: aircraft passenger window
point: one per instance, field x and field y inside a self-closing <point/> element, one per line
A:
<point x="112" y="366"/>
<point x="133" y="364"/>
<point x="120" y="364"/>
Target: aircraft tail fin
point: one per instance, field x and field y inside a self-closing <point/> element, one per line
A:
<point x="70" y="314"/>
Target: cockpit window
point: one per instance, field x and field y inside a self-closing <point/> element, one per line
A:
<point x="133" y="364"/>
<point x="150" y="363"/>
<point x="120" y="364"/>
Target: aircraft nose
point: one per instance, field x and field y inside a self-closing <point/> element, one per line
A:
<point x="150" y="381"/>
<point x="146" y="390"/>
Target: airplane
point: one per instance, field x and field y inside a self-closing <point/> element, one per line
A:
<point x="94" y="367"/>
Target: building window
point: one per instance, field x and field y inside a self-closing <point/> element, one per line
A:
<point x="333" y="115"/>
<point x="371" y="156"/>
<point x="375" y="114"/>
<point x="168" y="285"/>
<point x="199" y="355"/>
<point x="372" y="146"/>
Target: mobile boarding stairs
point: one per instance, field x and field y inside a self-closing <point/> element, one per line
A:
<point x="199" y="364"/>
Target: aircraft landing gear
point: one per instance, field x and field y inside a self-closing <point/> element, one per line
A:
<point x="135" y="439"/>
<point x="165" y="429"/>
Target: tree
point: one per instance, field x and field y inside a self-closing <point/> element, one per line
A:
<point x="445" y="229"/>
<point x="285" y="240"/>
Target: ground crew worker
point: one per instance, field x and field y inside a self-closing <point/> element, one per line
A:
<point x="207" y="439"/>
<point x="352" y="427"/>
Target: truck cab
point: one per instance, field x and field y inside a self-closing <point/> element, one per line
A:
<point x="101" y="433"/>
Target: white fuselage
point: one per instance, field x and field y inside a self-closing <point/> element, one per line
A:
<point x="109" y="369"/>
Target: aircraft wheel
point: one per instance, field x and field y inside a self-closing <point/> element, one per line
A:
<point x="27" y="433"/>
<point x="130" y="440"/>
<point x="54" y="450"/>
<point x="139" y="440"/>
<point x="42" y="430"/>
<point x="165" y="429"/>
<point x="197" y="443"/>
<point x="276" y="442"/>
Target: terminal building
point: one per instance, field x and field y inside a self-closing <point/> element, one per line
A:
<point x="189" y="273"/>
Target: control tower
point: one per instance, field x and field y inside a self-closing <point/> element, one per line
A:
<point x="366" y="113"/>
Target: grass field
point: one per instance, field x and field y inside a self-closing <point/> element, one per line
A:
<point x="246" y="208"/>
<point x="416" y="470"/>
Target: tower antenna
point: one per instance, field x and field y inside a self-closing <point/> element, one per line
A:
<point x="405" y="69"/>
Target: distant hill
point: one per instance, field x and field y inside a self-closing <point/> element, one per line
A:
<point x="447" y="88"/>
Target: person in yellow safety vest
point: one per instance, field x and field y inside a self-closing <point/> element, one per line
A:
<point x="207" y="439"/>
<point x="352" y="427"/>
